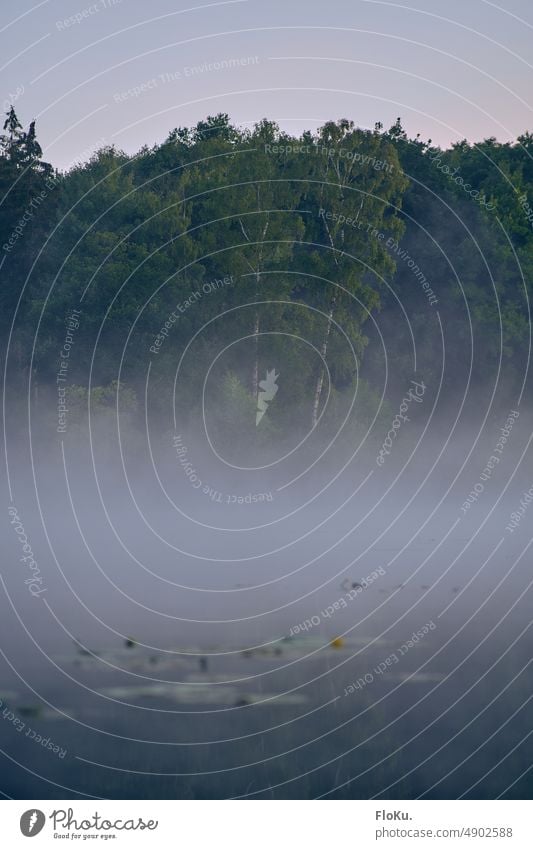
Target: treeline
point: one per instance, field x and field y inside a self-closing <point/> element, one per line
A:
<point x="234" y="251"/>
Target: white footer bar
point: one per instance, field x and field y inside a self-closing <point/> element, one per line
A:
<point x="267" y="824"/>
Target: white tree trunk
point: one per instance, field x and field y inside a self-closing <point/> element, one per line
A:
<point x="320" y="381"/>
<point x="255" y="377"/>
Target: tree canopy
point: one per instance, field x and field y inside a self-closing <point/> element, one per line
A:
<point x="231" y="251"/>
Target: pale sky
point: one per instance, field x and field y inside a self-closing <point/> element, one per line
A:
<point x="126" y="72"/>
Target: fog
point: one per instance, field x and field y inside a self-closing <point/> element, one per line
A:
<point x="158" y="618"/>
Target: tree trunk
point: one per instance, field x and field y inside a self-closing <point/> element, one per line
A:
<point x="320" y="380"/>
<point x="255" y="376"/>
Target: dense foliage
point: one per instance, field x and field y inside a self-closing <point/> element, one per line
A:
<point x="226" y="252"/>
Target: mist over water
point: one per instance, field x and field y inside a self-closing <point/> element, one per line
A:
<point x="326" y="638"/>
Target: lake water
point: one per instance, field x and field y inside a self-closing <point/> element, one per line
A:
<point x="168" y="656"/>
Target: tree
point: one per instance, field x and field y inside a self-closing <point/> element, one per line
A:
<point x="355" y="185"/>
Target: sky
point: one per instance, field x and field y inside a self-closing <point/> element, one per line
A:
<point x="126" y="72"/>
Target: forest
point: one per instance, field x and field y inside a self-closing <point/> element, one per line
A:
<point x="229" y="252"/>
